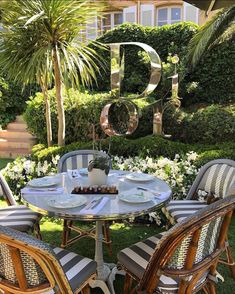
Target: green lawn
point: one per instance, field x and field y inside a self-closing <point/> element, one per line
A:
<point x="4" y="162"/>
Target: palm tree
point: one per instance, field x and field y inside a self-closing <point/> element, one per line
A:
<point x="219" y="28"/>
<point x="41" y="40"/>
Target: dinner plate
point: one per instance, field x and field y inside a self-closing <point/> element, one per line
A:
<point x="139" y="177"/>
<point x="67" y="201"/>
<point x="83" y="171"/>
<point x="136" y="196"/>
<point x="44" y="182"/>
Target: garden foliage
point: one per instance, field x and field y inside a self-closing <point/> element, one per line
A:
<point x="82" y="110"/>
<point x="212" y="79"/>
<point x="149" y="146"/>
<point x="208" y="124"/>
<point x="12" y="100"/>
<point x="169" y="39"/>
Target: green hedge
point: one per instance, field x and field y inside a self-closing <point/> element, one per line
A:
<point x="165" y="40"/>
<point x="211" y="82"/>
<point x="12" y="99"/>
<point x="214" y="76"/>
<point x="208" y="124"/>
<point x="211" y="124"/>
<point x="152" y="146"/>
<point x="82" y="109"/>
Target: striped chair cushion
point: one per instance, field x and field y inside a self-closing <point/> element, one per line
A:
<point x="18" y="217"/>
<point x="177" y="210"/>
<point x="217" y="180"/>
<point x="135" y="259"/>
<point x="77" y="269"/>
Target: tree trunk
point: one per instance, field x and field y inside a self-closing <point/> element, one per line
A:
<point x="59" y="98"/>
<point x="48" y="112"/>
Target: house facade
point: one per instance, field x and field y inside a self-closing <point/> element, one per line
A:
<point x="144" y="12"/>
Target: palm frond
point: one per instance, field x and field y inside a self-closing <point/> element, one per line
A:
<point x="210" y="34"/>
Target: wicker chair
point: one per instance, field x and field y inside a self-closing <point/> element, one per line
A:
<point x="29" y="265"/>
<point x="183" y="259"/>
<point x="215" y="180"/>
<point x="74" y="160"/>
<point x="18" y="217"/>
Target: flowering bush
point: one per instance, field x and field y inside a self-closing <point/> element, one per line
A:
<point x="178" y="173"/>
<point x="23" y="169"/>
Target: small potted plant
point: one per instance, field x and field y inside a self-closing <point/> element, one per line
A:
<point x="98" y="170"/>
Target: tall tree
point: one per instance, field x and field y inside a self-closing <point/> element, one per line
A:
<point x="219" y="28"/>
<point x="42" y="39"/>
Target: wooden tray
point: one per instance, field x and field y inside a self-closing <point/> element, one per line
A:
<point x="95" y="190"/>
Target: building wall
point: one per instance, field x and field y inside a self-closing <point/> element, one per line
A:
<point x="145" y="12"/>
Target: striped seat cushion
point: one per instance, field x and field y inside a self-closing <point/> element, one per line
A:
<point x="18" y="217"/>
<point x="77" y="269"/>
<point x="135" y="259"/>
<point x="177" y="210"/>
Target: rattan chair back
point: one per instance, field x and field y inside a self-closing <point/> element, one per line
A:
<point x="190" y="250"/>
<point x="77" y="159"/>
<point x="215" y="178"/>
<point x="6" y="191"/>
<point x="28" y="265"/>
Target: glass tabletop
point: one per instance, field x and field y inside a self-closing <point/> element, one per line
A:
<point x="114" y="207"/>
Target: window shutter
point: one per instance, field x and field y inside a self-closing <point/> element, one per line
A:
<point x="92" y="30"/>
<point x="147" y="15"/>
<point x="129" y="14"/>
<point x="190" y="13"/>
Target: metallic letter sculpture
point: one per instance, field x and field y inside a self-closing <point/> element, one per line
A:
<point x="117" y="74"/>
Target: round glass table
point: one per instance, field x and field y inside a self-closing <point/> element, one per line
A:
<point x="138" y="194"/>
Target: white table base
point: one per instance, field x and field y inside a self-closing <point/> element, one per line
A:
<point x="105" y="272"/>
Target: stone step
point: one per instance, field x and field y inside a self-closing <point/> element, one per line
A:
<point x="15" y="134"/>
<point x="17" y="126"/>
<point x="17" y="143"/>
<point x="13" y="152"/>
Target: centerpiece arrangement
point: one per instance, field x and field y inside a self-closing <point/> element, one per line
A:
<point x="98" y="170"/>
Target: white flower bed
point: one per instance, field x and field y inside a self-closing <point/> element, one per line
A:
<point x="178" y="173"/>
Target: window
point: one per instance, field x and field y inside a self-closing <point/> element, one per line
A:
<point x="111" y="20"/>
<point x="169" y="15"/>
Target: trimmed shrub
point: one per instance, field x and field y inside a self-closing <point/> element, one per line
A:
<point x="211" y="124"/>
<point x="152" y="146"/>
<point x="212" y="81"/>
<point x="82" y="110"/>
<point x="213" y="78"/>
<point x="169" y="39"/>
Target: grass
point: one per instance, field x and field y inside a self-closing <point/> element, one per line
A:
<point x="4" y="162"/>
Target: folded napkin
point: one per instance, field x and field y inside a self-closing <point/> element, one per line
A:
<point x="51" y="191"/>
<point x="96" y="208"/>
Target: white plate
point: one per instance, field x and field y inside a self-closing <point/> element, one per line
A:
<point x="83" y="171"/>
<point x="136" y="196"/>
<point x="67" y="201"/>
<point x="139" y="177"/>
<point x="44" y="182"/>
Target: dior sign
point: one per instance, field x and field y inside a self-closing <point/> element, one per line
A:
<point x="117" y="75"/>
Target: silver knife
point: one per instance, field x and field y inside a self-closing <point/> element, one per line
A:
<point x="97" y="202"/>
